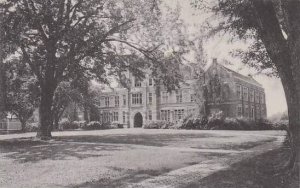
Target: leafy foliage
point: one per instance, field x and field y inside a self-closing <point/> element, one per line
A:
<point x="158" y="125"/>
<point x="22" y="91"/>
<point x="62" y="39"/>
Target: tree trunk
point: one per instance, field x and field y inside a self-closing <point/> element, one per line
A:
<point x="46" y="114"/>
<point x="292" y="93"/>
<point x="23" y="125"/>
<point x="48" y="86"/>
<point x="56" y="122"/>
<point x="86" y="116"/>
<point x="294" y="133"/>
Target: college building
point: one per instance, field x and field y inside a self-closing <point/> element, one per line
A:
<point x="222" y="89"/>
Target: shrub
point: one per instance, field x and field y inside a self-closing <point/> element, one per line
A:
<point x="246" y="124"/>
<point x="31" y="127"/>
<point x="80" y="124"/>
<point x="117" y="126"/>
<point x="231" y="124"/>
<point x="264" y="124"/>
<point x="96" y="125"/>
<point x="217" y="121"/>
<point x="193" y="123"/>
<point x="280" y="125"/>
<point x="67" y="125"/>
<point x="158" y="125"/>
<point x="93" y="125"/>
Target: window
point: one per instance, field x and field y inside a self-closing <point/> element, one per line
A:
<point x="256" y="97"/>
<point x="239" y="91"/>
<point x="262" y="97"/>
<point x="150" y="115"/>
<point x="245" y="91"/>
<point x="150" y="98"/>
<point x="246" y="112"/>
<point x="137" y="83"/>
<point x="150" y="82"/>
<point x="239" y="110"/>
<point x="101" y="118"/>
<point x="179" y="96"/>
<point x="252" y="112"/>
<point x="116" y="116"/>
<point x="124" y="117"/>
<point x="179" y="114"/>
<point x="117" y="101"/>
<point x="102" y="103"/>
<point x="165" y="97"/>
<point x="251" y="95"/>
<point x="105" y="117"/>
<point x="106" y="101"/>
<point x="124" y="100"/>
<point x="193" y="97"/>
<point x="111" y="117"/>
<point x="137" y="98"/>
<point x="263" y="111"/>
<point x="257" y="112"/>
<point x="165" y="115"/>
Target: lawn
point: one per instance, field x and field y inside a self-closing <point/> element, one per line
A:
<point x="130" y="157"/>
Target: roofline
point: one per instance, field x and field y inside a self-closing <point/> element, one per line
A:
<point x="255" y="82"/>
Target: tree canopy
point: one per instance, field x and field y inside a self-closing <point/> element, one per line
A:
<point x="61" y="39"/>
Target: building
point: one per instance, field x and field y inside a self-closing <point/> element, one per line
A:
<point x="234" y="94"/>
<point x="223" y="90"/>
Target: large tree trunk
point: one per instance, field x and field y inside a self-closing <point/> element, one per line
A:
<point x="46" y="114"/>
<point x="294" y="129"/>
<point x="291" y="86"/>
<point x="48" y="86"/>
<point x="284" y="53"/>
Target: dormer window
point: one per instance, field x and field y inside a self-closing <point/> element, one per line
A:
<point x="150" y="82"/>
<point x="137" y="83"/>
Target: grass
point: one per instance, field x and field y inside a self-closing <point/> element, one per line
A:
<point x="125" y="158"/>
<point x="263" y="171"/>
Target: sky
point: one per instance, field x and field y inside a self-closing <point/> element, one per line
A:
<point x="218" y="47"/>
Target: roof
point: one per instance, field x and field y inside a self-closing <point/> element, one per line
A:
<point x="235" y="74"/>
<point x="246" y="78"/>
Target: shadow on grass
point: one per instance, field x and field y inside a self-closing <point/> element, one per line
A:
<point x="81" y="147"/>
<point x="30" y="150"/>
<point x="132" y="176"/>
<point x="262" y="171"/>
<point x="147" y="140"/>
<point x="238" y="146"/>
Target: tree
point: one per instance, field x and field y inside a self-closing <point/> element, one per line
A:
<point x="21" y="91"/>
<point x="64" y="95"/>
<point x="61" y="38"/>
<point x="273" y="28"/>
<point x="2" y="92"/>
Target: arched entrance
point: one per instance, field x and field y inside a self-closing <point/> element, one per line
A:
<point x="138" y="120"/>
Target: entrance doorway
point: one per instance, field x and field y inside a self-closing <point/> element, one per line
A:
<point x="138" y="120"/>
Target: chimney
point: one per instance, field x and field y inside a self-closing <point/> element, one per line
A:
<point x="215" y="60"/>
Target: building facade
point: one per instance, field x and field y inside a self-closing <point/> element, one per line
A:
<point x="222" y="89"/>
<point x="234" y="94"/>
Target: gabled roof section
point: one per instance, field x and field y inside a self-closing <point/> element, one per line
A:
<point x="235" y="74"/>
<point x="246" y="78"/>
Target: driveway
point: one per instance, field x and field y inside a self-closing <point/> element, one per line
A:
<point x="126" y="157"/>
